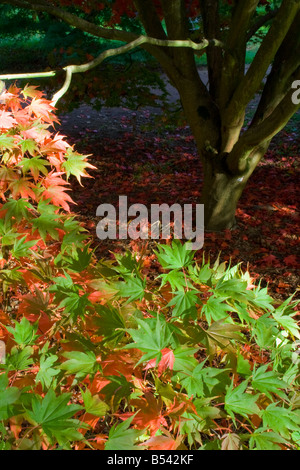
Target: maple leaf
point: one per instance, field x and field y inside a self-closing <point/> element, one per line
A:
<point x="38" y="133"/>
<point x="291" y="260"/>
<point x="55" y="191"/>
<point x="166" y="362"/>
<point x="6" y="142"/>
<point x="93" y="405"/>
<point x="42" y="109"/>
<point x="121" y="437"/>
<point x="31" y="92"/>
<point x="270" y="260"/>
<point x="7" y="121"/>
<point x="35" y="165"/>
<point x="76" y="164"/>
<point x="22" y="187"/>
<point x="53" y="414"/>
<point x="149" y="415"/>
<point x="237" y="400"/>
<point x="54" y="144"/>
<point x="163" y="443"/>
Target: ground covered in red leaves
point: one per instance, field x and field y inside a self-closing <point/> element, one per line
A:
<point x="152" y="163"/>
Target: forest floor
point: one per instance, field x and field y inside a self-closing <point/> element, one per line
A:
<point x="139" y="155"/>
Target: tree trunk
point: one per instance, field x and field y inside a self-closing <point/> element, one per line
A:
<point x="222" y="189"/>
<point x="220" y="195"/>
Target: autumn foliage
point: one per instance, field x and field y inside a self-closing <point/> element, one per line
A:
<point x="101" y="355"/>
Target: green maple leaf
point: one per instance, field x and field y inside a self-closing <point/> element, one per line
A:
<point x="24" y="332"/>
<point x="118" y="389"/>
<point x="268" y="382"/>
<point x="19" y="359"/>
<point x="21" y="248"/>
<point x="76" y="165"/>
<point x="46" y="372"/>
<point x="206" y="381"/>
<point x="176" y="256"/>
<point x="110" y="323"/>
<point x="48" y="224"/>
<point x="64" y="286"/>
<point x="132" y="287"/>
<point x="215" y="309"/>
<point x="205" y="411"/>
<point x="266" y="441"/>
<point x="80" y="363"/>
<point x="75" y="305"/>
<point x="53" y="414"/>
<point x="176" y="279"/>
<point x="17" y="208"/>
<point x="203" y="275"/>
<point x="239" y="402"/>
<point x="284" y="317"/>
<point x="262" y="299"/>
<point x="69" y="298"/>
<point x="280" y="420"/>
<point x="220" y="334"/>
<point x="80" y="259"/>
<point x="29" y="145"/>
<point x="122" y="438"/>
<point x="184" y="359"/>
<point x="234" y="289"/>
<point x="185" y="304"/>
<point x="35" y="165"/>
<point x="93" y="404"/>
<point x="127" y="264"/>
<point x="6" y="142"/>
<point x="265" y="331"/>
<point x="148" y="340"/>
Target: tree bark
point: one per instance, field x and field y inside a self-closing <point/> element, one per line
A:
<point x="222" y="189"/>
<point x="220" y="195"/>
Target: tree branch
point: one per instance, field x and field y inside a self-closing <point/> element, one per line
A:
<point x="286" y="62"/>
<point x="266" y="53"/>
<point x="211" y="28"/>
<point x="140" y="41"/>
<point x="261" y="22"/>
<point x="234" y="59"/>
<point x="150" y="19"/>
<point x="237" y="160"/>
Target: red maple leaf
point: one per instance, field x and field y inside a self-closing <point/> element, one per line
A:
<point x="7" y="121"/>
<point x="150" y="414"/>
<point x="166" y="362"/>
<point x="291" y="260"/>
<point x="55" y="190"/>
<point x="42" y="108"/>
<point x="163" y="443"/>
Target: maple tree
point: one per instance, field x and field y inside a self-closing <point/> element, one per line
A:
<point x="229" y="149"/>
<point x="99" y="355"/>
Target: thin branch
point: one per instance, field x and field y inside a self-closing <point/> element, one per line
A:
<point x="71" y="69"/>
<point x="20" y="76"/>
<point x="261" y="22"/>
